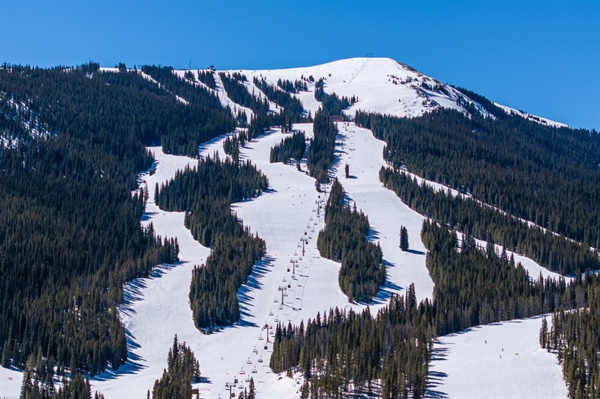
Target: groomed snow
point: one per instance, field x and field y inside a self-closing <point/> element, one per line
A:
<point x="289" y="214"/>
<point x="500" y="360"/>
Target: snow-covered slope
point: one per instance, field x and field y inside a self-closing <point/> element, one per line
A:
<point x="382" y="85"/>
<point x="530" y="117"/>
<point x="500" y="360"/>
<point x="157" y="307"/>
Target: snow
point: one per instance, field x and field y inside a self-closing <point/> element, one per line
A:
<point x="10" y="383"/>
<point x="525" y="115"/>
<point x="500" y="360"/>
<point x="290" y="214"/>
<point x="227" y="102"/>
<point x="398" y="87"/>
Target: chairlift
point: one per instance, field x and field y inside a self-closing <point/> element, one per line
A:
<point x="260" y="359"/>
<point x="254" y="371"/>
<point x="248" y="361"/>
<point x="260" y="338"/>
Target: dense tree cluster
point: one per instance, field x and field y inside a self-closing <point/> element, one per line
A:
<point x="475" y="286"/>
<point x="205" y="194"/>
<point x="293" y="147"/>
<point x="204" y="117"/>
<point x="292" y="107"/>
<point x="76" y="388"/>
<point x="348" y="352"/>
<point x="239" y="94"/>
<point x="321" y="148"/>
<point x="70" y="232"/>
<point x="231" y="146"/>
<point x="193" y="94"/>
<point x="182" y="370"/>
<point x="292" y="87"/>
<point x="545" y="175"/>
<point x="208" y="78"/>
<point x="574" y="336"/>
<point x="465" y="214"/>
<point x="331" y="103"/>
<point x="344" y="240"/>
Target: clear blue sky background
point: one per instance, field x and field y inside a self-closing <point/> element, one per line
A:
<point x="539" y="56"/>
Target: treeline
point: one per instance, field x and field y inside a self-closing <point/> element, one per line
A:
<point x="546" y="175"/>
<point x="345" y="353"/>
<point x="291" y="105"/>
<point x="239" y="94"/>
<point x="292" y="147"/>
<point x="331" y="103"/>
<point x="321" y="147"/>
<point x="231" y="146"/>
<point x="292" y="87"/>
<point x="70" y="231"/>
<point x="344" y="240"/>
<point x="574" y="336"/>
<point x="205" y="194"/>
<point x="465" y="214"/>
<point x="474" y="286"/>
<point x="348" y="353"/>
<point x="194" y="94"/>
<point x="76" y="388"/>
<point x="186" y="127"/>
<point x="208" y="78"/>
<point x="182" y="370"/>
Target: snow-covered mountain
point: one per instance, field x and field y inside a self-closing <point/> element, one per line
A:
<point x="157" y="307"/>
<point x="382" y="85"/>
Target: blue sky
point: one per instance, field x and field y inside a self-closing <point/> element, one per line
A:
<point x="542" y="57"/>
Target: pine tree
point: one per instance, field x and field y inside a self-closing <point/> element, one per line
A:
<point x="403" y="238"/>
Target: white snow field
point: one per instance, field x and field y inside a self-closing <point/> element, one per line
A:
<point x="382" y="85"/>
<point x="293" y="282"/>
<point x="500" y="360"/>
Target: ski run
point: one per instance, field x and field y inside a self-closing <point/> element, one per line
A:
<point x="293" y="282"/>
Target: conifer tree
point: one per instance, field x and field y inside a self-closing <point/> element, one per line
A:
<point x="403" y="238"/>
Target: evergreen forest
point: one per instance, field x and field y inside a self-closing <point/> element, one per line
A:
<point x="344" y="239"/>
<point x="73" y="142"/>
<point x="545" y="175"/>
<point x="182" y="370"/>
<point x="70" y="235"/>
<point x="321" y="148"/>
<point x="205" y="194"/>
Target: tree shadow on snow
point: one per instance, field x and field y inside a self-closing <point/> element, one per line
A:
<point x="131" y="366"/>
<point x="132" y="293"/>
<point x="436" y="378"/>
<point x="202" y="147"/>
<point x="253" y="283"/>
